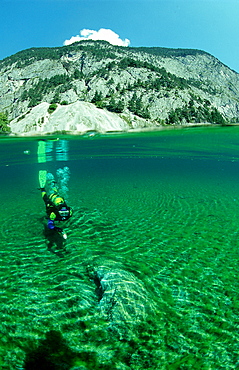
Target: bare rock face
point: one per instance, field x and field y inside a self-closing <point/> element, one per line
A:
<point x="77" y="117"/>
<point x="123" y="299"/>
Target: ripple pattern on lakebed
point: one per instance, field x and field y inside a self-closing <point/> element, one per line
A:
<point x="180" y="248"/>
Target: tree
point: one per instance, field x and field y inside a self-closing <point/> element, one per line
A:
<point x="77" y="75"/>
<point x="52" y="108"/>
<point x="56" y="98"/>
<point x="216" y="117"/>
<point x="34" y="101"/>
<point x="144" y="113"/>
<point x="4" y="123"/>
<point x="97" y="97"/>
<point x="120" y="106"/>
<point x="132" y="103"/>
<point x="138" y="106"/>
<point x="24" y="95"/>
<point x="114" y="106"/>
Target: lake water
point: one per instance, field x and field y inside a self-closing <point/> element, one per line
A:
<point x="161" y="208"/>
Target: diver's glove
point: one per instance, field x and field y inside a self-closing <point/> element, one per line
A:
<point x="62" y="232"/>
<point x="58" y="229"/>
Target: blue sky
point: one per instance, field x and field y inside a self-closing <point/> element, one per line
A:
<point x="209" y="25"/>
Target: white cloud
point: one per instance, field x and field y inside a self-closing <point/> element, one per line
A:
<point x="102" y="34"/>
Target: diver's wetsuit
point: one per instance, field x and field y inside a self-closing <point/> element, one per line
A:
<point x="54" y="212"/>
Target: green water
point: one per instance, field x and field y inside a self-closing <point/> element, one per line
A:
<point x="162" y="207"/>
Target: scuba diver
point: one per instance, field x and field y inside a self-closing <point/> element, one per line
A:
<point x="56" y="207"/>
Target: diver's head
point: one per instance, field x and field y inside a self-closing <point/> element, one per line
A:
<point x="56" y="199"/>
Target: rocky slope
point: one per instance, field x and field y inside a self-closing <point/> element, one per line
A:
<point x="93" y="85"/>
<point x="76" y="117"/>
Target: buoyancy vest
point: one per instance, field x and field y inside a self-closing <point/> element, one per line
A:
<point x="58" y="213"/>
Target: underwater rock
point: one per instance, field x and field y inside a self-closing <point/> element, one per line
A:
<point x="123" y="299"/>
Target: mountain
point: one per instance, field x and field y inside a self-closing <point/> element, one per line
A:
<point x="93" y="85"/>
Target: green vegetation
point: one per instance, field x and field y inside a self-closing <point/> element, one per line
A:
<point x="4" y="122"/>
<point x="97" y="97"/>
<point x="166" y="79"/>
<point x="136" y="106"/>
<point x="98" y="100"/>
<point x="116" y="106"/>
<point x="169" y="52"/>
<point x="191" y="113"/>
<point x="52" y="108"/>
<point x="57" y="83"/>
<point x="28" y="56"/>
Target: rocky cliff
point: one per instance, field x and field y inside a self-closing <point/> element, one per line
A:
<point x="92" y="85"/>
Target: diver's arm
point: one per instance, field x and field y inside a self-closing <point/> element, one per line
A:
<point x="50" y="221"/>
<point x="51" y="226"/>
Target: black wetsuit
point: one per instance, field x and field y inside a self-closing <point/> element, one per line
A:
<point x="56" y="213"/>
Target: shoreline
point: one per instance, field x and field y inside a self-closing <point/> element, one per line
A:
<point x="93" y="133"/>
